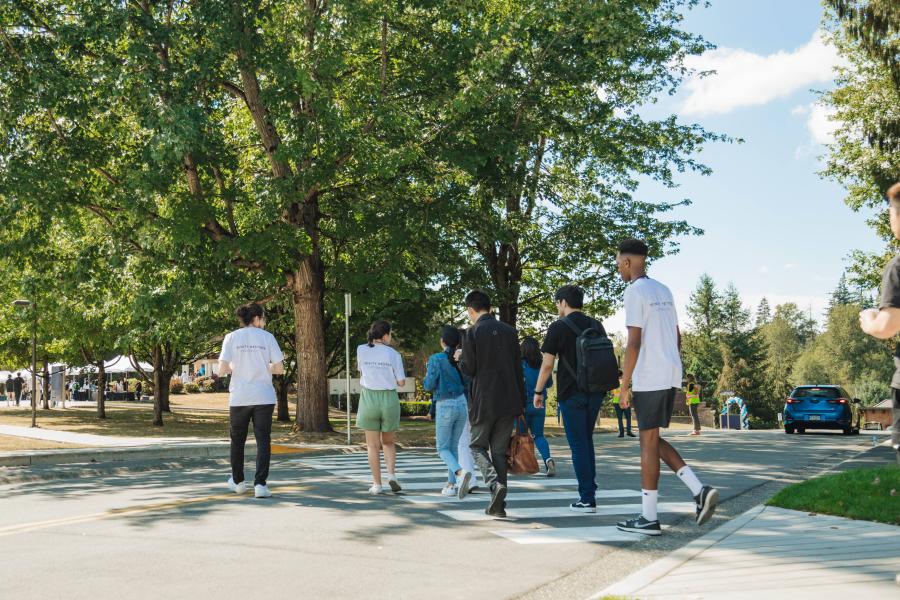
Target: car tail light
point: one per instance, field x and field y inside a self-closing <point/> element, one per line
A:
<point x="839" y="401"/>
<point x="793" y="400"/>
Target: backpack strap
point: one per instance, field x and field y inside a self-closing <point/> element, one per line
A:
<point x="562" y="359"/>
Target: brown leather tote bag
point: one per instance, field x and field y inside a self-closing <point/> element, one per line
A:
<point x="521" y="460"/>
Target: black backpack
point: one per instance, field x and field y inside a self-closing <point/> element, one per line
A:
<point x="597" y="369"/>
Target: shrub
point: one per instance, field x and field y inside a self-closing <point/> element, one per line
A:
<point x="176" y="386"/>
<point x="414" y="409"/>
<point x="191" y="388"/>
<point x="208" y="383"/>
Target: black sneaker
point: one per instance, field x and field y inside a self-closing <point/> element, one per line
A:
<point x="498" y="495"/>
<point x="584" y="507"/>
<point x="640" y="525"/>
<point x="706" y="503"/>
<point x="630" y="434"/>
<point x="621" y="435"/>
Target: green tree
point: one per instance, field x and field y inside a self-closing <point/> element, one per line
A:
<point x="700" y="342"/>
<point x="784" y="338"/>
<point x="763" y="312"/>
<point x="549" y="149"/>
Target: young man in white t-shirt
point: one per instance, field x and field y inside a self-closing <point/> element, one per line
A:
<point x="651" y="375"/>
<point x="251" y="354"/>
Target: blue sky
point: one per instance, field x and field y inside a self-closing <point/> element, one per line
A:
<point x="772" y="225"/>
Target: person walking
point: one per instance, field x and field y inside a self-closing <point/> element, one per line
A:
<point x="536" y="416"/>
<point x="445" y="381"/>
<point x="579" y="408"/>
<point x="621" y="412"/>
<point x="18" y="386"/>
<point x="692" y="396"/>
<point x="10" y="387"/>
<point x="651" y="376"/>
<point x="490" y="355"/>
<point x="884" y="322"/>
<point x="138" y="390"/>
<point x="251" y="354"/>
<point x="381" y="369"/>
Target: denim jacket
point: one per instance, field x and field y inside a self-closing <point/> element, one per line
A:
<point x="442" y="379"/>
<point x="531" y="377"/>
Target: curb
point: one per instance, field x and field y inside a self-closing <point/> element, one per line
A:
<point x="664" y="566"/>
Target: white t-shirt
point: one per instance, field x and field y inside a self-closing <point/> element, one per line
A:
<point x="381" y="367"/>
<point x="250" y="351"/>
<point x="650" y="306"/>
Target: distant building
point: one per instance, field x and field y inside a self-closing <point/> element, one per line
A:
<point x="880" y="413"/>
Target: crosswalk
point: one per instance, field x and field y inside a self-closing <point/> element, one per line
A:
<point x="534" y="501"/>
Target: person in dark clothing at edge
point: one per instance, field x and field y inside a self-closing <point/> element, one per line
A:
<point x="579" y="410"/>
<point x="490" y="355"/>
<point x="884" y="322"/>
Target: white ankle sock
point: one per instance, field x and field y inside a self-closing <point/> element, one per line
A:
<point x="648" y="504"/>
<point x="687" y="476"/>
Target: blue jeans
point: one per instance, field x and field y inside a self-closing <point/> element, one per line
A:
<point x="623" y="411"/>
<point x="450" y="419"/>
<point x="579" y="415"/>
<point x="534" y="421"/>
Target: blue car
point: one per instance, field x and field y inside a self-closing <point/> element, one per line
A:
<point x="821" y="407"/>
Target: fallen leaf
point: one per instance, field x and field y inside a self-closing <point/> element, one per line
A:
<point x="876" y="481"/>
<point x="893" y="492"/>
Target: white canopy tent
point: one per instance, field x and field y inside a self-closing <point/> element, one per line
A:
<point x="118" y="364"/>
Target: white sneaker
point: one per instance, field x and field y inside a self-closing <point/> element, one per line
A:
<point x="375" y="490"/>
<point x="449" y="490"/>
<point x="262" y="491"/>
<point x="463" y="481"/>
<point x="237" y="488"/>
<point x="392" y="481"/>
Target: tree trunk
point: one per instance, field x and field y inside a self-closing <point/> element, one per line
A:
<point x="101" y="390"/>
<point x="165" y="391"/>
<point x="157" y="386"/>
<point x="282" y="384"/>
<point x="307" y="287"/>
<point x="45" y="380"/>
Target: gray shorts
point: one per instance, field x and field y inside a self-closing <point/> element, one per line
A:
<point x="654" y="409"/>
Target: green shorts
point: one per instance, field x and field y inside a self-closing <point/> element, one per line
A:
<point x="379" y="410"/>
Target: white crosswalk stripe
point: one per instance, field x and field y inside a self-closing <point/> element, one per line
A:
<point x="532" y="500"/>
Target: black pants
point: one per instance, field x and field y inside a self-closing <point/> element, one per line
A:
<point x="261" y="415"/>
<point x="623" y="411"/>
<point x="490" y="446"/>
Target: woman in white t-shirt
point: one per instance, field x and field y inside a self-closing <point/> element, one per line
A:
<point x="381" y="369"/>
<point x="252" y="356"/>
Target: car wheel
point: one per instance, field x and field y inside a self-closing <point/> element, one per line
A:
<point x="789" y="430"/>
<point x="848" y="430"/>
<point x="801" y="430"/>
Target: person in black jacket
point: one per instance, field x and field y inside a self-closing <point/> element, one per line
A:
<point x="490" y="355"/>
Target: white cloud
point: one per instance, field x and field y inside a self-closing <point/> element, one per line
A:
<point x="799" y="110"/>
<point x="790" y="266"/>
<point x="744" y="78"/>
<point x="820" y="124"/>
<point x="762" y="269"/>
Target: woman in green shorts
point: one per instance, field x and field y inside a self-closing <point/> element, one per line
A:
<point x="381" y="373"/>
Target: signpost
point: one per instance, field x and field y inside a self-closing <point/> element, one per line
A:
<point x="347" y="311"/>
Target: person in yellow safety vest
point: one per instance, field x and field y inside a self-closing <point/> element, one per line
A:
<point x="692" y="393"/>
<point x="614" y="395"/>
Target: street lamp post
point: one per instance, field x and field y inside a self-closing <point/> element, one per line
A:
<point x="33" y="357"/>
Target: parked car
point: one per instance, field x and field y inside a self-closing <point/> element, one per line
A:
<point x="821" y="407"/>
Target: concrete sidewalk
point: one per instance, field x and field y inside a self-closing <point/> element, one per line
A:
<point x="774" y="552"/>
<point x="87" y="439"/>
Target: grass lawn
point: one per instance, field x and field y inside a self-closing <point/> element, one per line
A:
<point x="10" y="443"/>
<point x="866" y="494"/>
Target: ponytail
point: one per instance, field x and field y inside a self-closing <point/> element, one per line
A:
<point x="378" y="330"/>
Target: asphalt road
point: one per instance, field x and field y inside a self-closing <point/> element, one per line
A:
<point x="181" y="534"/>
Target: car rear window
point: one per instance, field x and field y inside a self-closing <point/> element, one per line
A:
<point x="817" y="392"/>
